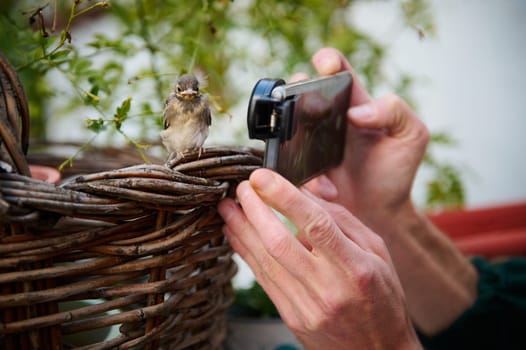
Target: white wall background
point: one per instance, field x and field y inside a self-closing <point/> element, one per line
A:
<point x="472" y="85"/>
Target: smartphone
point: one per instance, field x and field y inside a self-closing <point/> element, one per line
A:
<point x="303" y="124"/>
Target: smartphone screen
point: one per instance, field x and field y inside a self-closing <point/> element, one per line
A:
<point x="317" y="131"/>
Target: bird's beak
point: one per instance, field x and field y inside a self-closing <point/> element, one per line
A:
<point x="189" y="93"/>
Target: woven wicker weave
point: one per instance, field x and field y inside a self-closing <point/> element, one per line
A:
<point x="135" y="251"/>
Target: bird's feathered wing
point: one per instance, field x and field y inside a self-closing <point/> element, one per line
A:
<point x="166" y="122"/>
<point x="206" y="113"/>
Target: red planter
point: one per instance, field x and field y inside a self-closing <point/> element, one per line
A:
<point x="489" y="232"/>
<point x="45" y="173"/>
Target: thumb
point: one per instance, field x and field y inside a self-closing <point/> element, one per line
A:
<point x="389" y="113"/>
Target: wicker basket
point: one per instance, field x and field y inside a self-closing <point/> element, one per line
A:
<point x="135" y="253"/>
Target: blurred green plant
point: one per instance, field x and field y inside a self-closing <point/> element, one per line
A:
<point x="445" y="188"/>
<point x="110" y="64"/>
<point x="253" y="302"/>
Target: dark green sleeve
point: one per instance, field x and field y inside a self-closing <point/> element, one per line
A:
<point x="497" y="320"/>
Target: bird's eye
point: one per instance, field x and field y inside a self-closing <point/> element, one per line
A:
<point x="179" y="89"/>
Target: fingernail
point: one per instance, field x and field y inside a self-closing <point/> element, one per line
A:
<point x="263" y="180"/>
<point x="361" y="112"/>
<point x="327" y="64"/>
<point x="242" y="189"/>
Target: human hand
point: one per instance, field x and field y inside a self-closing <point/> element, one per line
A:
<point x="385" y="145"/>
<point x="333" y="284"/>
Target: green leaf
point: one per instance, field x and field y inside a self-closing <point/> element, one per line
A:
<point x="121" y="113"/>
<point x="417" y="14"/>
<point x="442" y="138"/>
<point x="146" y="108"/>
<point x="95" y="125"/>
<point x="59" y="54"/>
<point x="81" y="66"/>
<point x="254" y="302"/>
<point x="445" y="189"/>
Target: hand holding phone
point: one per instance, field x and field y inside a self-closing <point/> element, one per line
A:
<point x="303" y="124"/>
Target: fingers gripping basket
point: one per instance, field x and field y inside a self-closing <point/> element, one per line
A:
<point x="136" y="252"/>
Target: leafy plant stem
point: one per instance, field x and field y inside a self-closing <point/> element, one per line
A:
<point x="138" y="146"/>
<point x="65" y="34"/>
<point x="69" y="160"/>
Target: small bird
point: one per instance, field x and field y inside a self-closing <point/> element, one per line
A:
<point x="186" y="117"/>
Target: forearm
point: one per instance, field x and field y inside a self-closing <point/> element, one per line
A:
<point x="439" y="282"/>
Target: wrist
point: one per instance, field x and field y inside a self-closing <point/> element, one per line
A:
<point x="390" y="222"/>
<point x="439" y="281"/>
<point x="407" y="338"/>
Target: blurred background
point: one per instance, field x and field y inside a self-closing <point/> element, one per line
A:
<point x="470" y="82"/>
<point x="97" y="72"/>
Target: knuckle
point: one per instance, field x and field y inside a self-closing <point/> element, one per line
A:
<point x="278" y="245"/>
<point x="295" y="326"/>
<point x="338" y="210"/>
<point x="404" y="114"/>
<point x="378" y="243"/>
<point x="334" y="304"/>
<point x="330" y="309"/>
<point x="364" y="277"/>
<point x="288" y="200"/>
<point x="398" y="107"/>
<point x="395" y="103"/>
<point x="393" y="100"/>
<point x="314" y="323"/>
<point x="320" y="228"/>
<point x="267" y="269"/>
